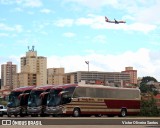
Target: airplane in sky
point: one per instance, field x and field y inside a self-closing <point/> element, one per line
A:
<point x="115" y="21"/>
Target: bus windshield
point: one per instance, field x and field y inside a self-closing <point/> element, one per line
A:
<point x="53" y="98"/>
<point x="34" y="99"/>
<point x="13" y="99"/>
<point x="24" y="100"/>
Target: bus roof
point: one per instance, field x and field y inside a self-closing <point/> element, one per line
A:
<point x="105" y="87"/>
<point x="22" y="89"/>
<point x="64" y="86"/>
<point x="44" y="87"/>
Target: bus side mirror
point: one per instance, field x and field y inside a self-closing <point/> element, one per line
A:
<point x="66" y="98"/>
<point x="19" y="97"/>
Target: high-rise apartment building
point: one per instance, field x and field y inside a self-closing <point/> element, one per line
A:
<point x="55" y="76"/>
<point x="133" y="74"/>
<point x="33" y="70"/>
<point x="7" y="72"/>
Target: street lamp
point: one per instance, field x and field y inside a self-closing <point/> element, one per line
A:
<point x="87" y="62"/>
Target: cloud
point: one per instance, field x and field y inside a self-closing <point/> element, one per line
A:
<point x="145" y="61"/>
<point x="18" y="9"/>
<point x="46" y="11"/>
<point x="148" y="14"/>
<point x="140" y="10"/>
<point x="142" y="60"/>
<point x="69" y="34"/>
<point x="64" y="22"/>
<point x="6" y="1"/>
<point x="155" y="43"/>
<point x="100" y="39"/>
<point x="32" y="3"/>
<point x="98" y="22"/>
<point x="16" y="28"/>
<point x="93" y="3"/>
<point x="84" y="21"/>
<point x="4" y="34"/>
<point x="24" y="3"/>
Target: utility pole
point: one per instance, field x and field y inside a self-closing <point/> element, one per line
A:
<point x="104" y="79"/>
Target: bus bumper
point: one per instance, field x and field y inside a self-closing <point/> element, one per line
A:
<point x="54" y="110"/>
<point x="34" y="110"/>
<point x="13" y="111"/>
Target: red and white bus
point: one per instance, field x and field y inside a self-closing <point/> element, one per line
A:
<point x="36" y="101"/>
<point x="15" y="106"/>
<point x="54" y="98"/>
<point x="99" y="100"/>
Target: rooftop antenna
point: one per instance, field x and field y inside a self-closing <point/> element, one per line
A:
<point x="33" y="48"/>
<point x="28" y="48"/>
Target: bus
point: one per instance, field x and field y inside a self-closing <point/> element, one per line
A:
<point x="23" y="103"/>
<point x="35" y="100"/>
<point x="14" y="106"/>
<point x="53" y="98"/>
<point x="99" y="100"/>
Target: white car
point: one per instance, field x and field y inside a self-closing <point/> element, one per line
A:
<point x="3" y="110"/>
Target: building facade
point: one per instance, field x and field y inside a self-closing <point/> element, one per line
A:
<point x="33" y="70"/>
<point x="55" y="76"/>
<point x="107" y="78"/>
<point x="133" y="74"/>
<point x="7" y="72"/>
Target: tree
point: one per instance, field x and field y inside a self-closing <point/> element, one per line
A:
<point x="145" y="87"/>
<point x="149" y="108"/>
<point x="147" y="79"/>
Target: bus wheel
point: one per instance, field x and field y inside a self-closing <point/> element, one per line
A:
<point x="98" y="115"/>
<point x="76" y="112"/>
<point x="42" y="115"/>
<point x="123" y="113"/>
<point x="21" y="115"/>
<point x="32" y="115"/>
<point x="9" y="115"/>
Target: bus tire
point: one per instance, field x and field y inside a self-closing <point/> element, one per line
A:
<point x="123" y="113"/>
<point x="9" y="115"/>
<point x="98" y="115"/>
<point x="76" y="112"/>
<point x="22" y="115"/>
<point x="42" y="115"/>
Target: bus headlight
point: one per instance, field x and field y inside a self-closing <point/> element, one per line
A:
<point x="64" y="110"/>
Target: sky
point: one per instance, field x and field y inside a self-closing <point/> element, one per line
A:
<point x="70" y="32"/>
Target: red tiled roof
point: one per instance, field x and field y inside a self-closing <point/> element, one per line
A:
<point x="157" y="96"/>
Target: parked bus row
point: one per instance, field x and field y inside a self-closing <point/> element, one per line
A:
<point x="73" y="99"/>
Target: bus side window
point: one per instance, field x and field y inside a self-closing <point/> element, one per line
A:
<point x="100" y="93"/>
<point x="70" y="90"/>
<point x="79" y="92"/>
<point x="90" y="92"/>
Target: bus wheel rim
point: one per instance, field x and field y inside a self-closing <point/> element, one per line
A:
<point x="123" y="113"/>
<point x="76" y="113"/>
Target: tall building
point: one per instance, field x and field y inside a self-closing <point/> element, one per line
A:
<point x="55" y="76"/>
<point x="117" y="78"/>
<point x="133" y="74"/>
<point x="33" y="70"/>
<point x="7" y="72"/>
